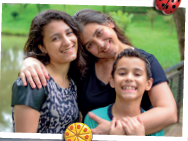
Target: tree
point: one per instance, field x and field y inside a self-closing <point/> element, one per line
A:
<point x="123" y="9"/>
<point x="122" y="19"/>
<point x="151" y="14"/>
<point x="14" y="14"/>
<point x="170" y="21"/>
<point x="38" y="8"/>
<point x="179" y="20"/>
<point x="20" y="9"/>
<point x="103" y="9"/>
<point x="64" y="7"/>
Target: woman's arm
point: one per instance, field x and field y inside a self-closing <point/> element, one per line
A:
<point x="34" y="71"/>
<point x="26" y="119"/>
<point x="164" y="112"/>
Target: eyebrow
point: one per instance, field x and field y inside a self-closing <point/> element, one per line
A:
<point x="59" y="33"/>
<point x="93" y="35"/>
<point x="123" y="68"/>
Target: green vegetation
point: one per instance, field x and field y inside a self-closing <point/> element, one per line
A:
<point x="15" y="42"/>
<point x="169" y="19"/>
<point x="123" y="20"/>
<point x="151" y="14"/>
<point x="156" y="41"/>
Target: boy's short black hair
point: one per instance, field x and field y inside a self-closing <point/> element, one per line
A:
<point x="133" y="53"/>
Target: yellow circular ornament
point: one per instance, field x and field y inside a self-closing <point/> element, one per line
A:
<point x="78" y="132"/>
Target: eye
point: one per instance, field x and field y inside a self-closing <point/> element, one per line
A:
<point x="55" y="38"/>
<point x="69" y="33"/>
<point x="89" y="45"/>
<point x="137" y="74"/>
<point x="122" y="73"/>
<point x="99" y="33"/>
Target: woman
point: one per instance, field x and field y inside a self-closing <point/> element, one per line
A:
<point x="52" y="40"/>
<point x="102" y="40"/>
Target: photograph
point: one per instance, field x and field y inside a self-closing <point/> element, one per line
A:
<point x="82" y="70"/>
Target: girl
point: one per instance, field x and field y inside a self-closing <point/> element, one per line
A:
<point x="52" y="39"/>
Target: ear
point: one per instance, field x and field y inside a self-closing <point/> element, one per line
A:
<point x="112" y="82"/>
<point x="42" y="48"/>
<point x="149" y="84"/>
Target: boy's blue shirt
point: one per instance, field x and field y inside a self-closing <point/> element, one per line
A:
<point x="106" y="113"/>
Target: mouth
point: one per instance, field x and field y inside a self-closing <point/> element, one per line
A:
<point x="129" y="88"/>
<point x="69" y="50"/>
<point x="107" y="48"/>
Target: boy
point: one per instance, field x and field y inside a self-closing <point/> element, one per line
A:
<point x="131" y="76"/>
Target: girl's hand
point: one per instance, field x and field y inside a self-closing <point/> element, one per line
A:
<point x="133" y="126"/>
<point x="34" y="71"/>
<point x="116" y="127"/>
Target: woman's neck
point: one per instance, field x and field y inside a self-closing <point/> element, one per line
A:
<point x="123" y="46"/>
<point x="56" y="70"/>
<point x="105" y="62"/>
<point x="104" y="67"/>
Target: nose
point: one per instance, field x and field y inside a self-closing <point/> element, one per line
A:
<point x="66" y="41"/>
<point x="129" y="77"/>
<point x="100" y="44"/>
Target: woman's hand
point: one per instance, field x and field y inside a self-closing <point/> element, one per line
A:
<point x="80" y="117"/>
<point x="133" y="126"/>
<point x="116" y="127"/>
<point x="34" y="71"/>
<point x="103" y="125"/>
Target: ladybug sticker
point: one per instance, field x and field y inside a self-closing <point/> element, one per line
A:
<point x="167" y="6"/>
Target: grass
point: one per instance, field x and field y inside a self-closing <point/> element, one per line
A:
<point x="155" y="41"/>
<point x="16" y="42"/>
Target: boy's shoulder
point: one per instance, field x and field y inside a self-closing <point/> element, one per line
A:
<point x="101" y="112"/>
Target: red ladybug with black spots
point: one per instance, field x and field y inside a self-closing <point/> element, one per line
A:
<point x="171" y="6"/>
<point x="160" y="4"/>
<point x="167" y="6"/>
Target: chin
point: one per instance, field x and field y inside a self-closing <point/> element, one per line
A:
<point x="129" y="96"/>
<point x="72" y="58"/>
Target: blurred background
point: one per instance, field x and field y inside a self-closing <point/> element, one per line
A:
<point x="148" y="29"/>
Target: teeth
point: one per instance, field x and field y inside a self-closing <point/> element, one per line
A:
<point x="129" y="88"/>
<point x="107" y="48"/>
<point x="67" y="50"/>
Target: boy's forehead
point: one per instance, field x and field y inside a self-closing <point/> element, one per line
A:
<point x="130" y="59"/>
<point x="125" y="60"/>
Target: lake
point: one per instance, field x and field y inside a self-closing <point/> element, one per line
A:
<point x="11" y="60"/>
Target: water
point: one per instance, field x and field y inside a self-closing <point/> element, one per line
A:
<point x="11" y="60"/>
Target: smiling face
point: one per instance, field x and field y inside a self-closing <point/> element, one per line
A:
<point x="100" y="40"/>
<point x="60" y="43"/>
<point x="130" y="79"/>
